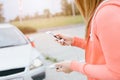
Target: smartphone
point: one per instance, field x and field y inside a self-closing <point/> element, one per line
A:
<point x="61" y="40"/>
<point x="58" y="38"/>
<point x="54" y="67"/>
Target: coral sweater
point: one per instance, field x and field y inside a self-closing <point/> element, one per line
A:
<point x="103" y="52"/>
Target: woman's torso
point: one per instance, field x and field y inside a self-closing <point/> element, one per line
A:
<point x="94" y="53"/>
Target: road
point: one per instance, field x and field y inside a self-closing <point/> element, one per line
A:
<point x="47" y="46"/>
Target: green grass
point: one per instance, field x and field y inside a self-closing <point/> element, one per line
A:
<point x="50" y="22"/>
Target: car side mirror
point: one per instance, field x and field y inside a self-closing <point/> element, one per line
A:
<point x="31" y="40"/>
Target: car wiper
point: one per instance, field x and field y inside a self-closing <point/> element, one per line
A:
<point x="8" y="46"/>
<point x="12" y="45"/>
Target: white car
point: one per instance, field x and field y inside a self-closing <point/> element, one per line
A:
<point x="19" y="60"/>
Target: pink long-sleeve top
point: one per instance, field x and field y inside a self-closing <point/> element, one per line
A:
<point x="103" y="51"/>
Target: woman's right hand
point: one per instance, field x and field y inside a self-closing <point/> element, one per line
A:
<point x="64" y="40"/>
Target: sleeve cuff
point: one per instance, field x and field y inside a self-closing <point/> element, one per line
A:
<point x="77" y="66"/>
<point x="74" y="43"/>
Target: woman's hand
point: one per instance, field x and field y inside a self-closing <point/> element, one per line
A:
<point x="64" y="40"/>
<point x="63" y="67"/>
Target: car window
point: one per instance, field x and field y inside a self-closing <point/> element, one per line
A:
<point x="11" y="37"/>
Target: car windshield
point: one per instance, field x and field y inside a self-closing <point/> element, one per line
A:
<point x="11" y="37"/>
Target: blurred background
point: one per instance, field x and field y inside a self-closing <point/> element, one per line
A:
<point x="31" y="15"/>
<point x="35" y="17"/>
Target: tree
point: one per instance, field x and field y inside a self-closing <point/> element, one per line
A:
<point x="16" y="19"/>
<point x="47" y="13"/>
<point x="1" y="13"/>
<point x="36" y="15"/>
<point x="26" y="17"/>
<point x="77" y="12"/>
<point x="66" y="7"/>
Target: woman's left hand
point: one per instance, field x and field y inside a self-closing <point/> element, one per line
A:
<point x="63" y="67"/>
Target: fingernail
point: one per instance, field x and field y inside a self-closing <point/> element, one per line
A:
<point x="57" y="68"/>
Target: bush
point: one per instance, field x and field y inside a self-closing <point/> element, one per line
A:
<point x="27" y="30"/>
<point x="51" y="59"/>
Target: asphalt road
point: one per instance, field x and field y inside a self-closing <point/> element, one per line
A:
<point x="47" y="46"/>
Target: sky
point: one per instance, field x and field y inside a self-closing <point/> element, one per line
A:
<point x="13" y="8"/>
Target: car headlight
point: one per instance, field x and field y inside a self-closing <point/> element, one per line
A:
<point x="36" y="63"/>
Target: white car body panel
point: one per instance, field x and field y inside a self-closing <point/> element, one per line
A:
<point x="19" y="57"/>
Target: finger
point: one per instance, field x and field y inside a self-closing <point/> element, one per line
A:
<point x="59" y="68"/>
<point x="58" y="41"/>
<point x="61" y="42"/>
<point x="59" y="35"/>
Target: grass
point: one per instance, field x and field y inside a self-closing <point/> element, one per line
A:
<point x="49" y="22"/>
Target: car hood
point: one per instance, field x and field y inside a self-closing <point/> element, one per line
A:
<point x="15" y="57"/>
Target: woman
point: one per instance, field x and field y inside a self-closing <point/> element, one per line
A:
<point x="102" y="47"/>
